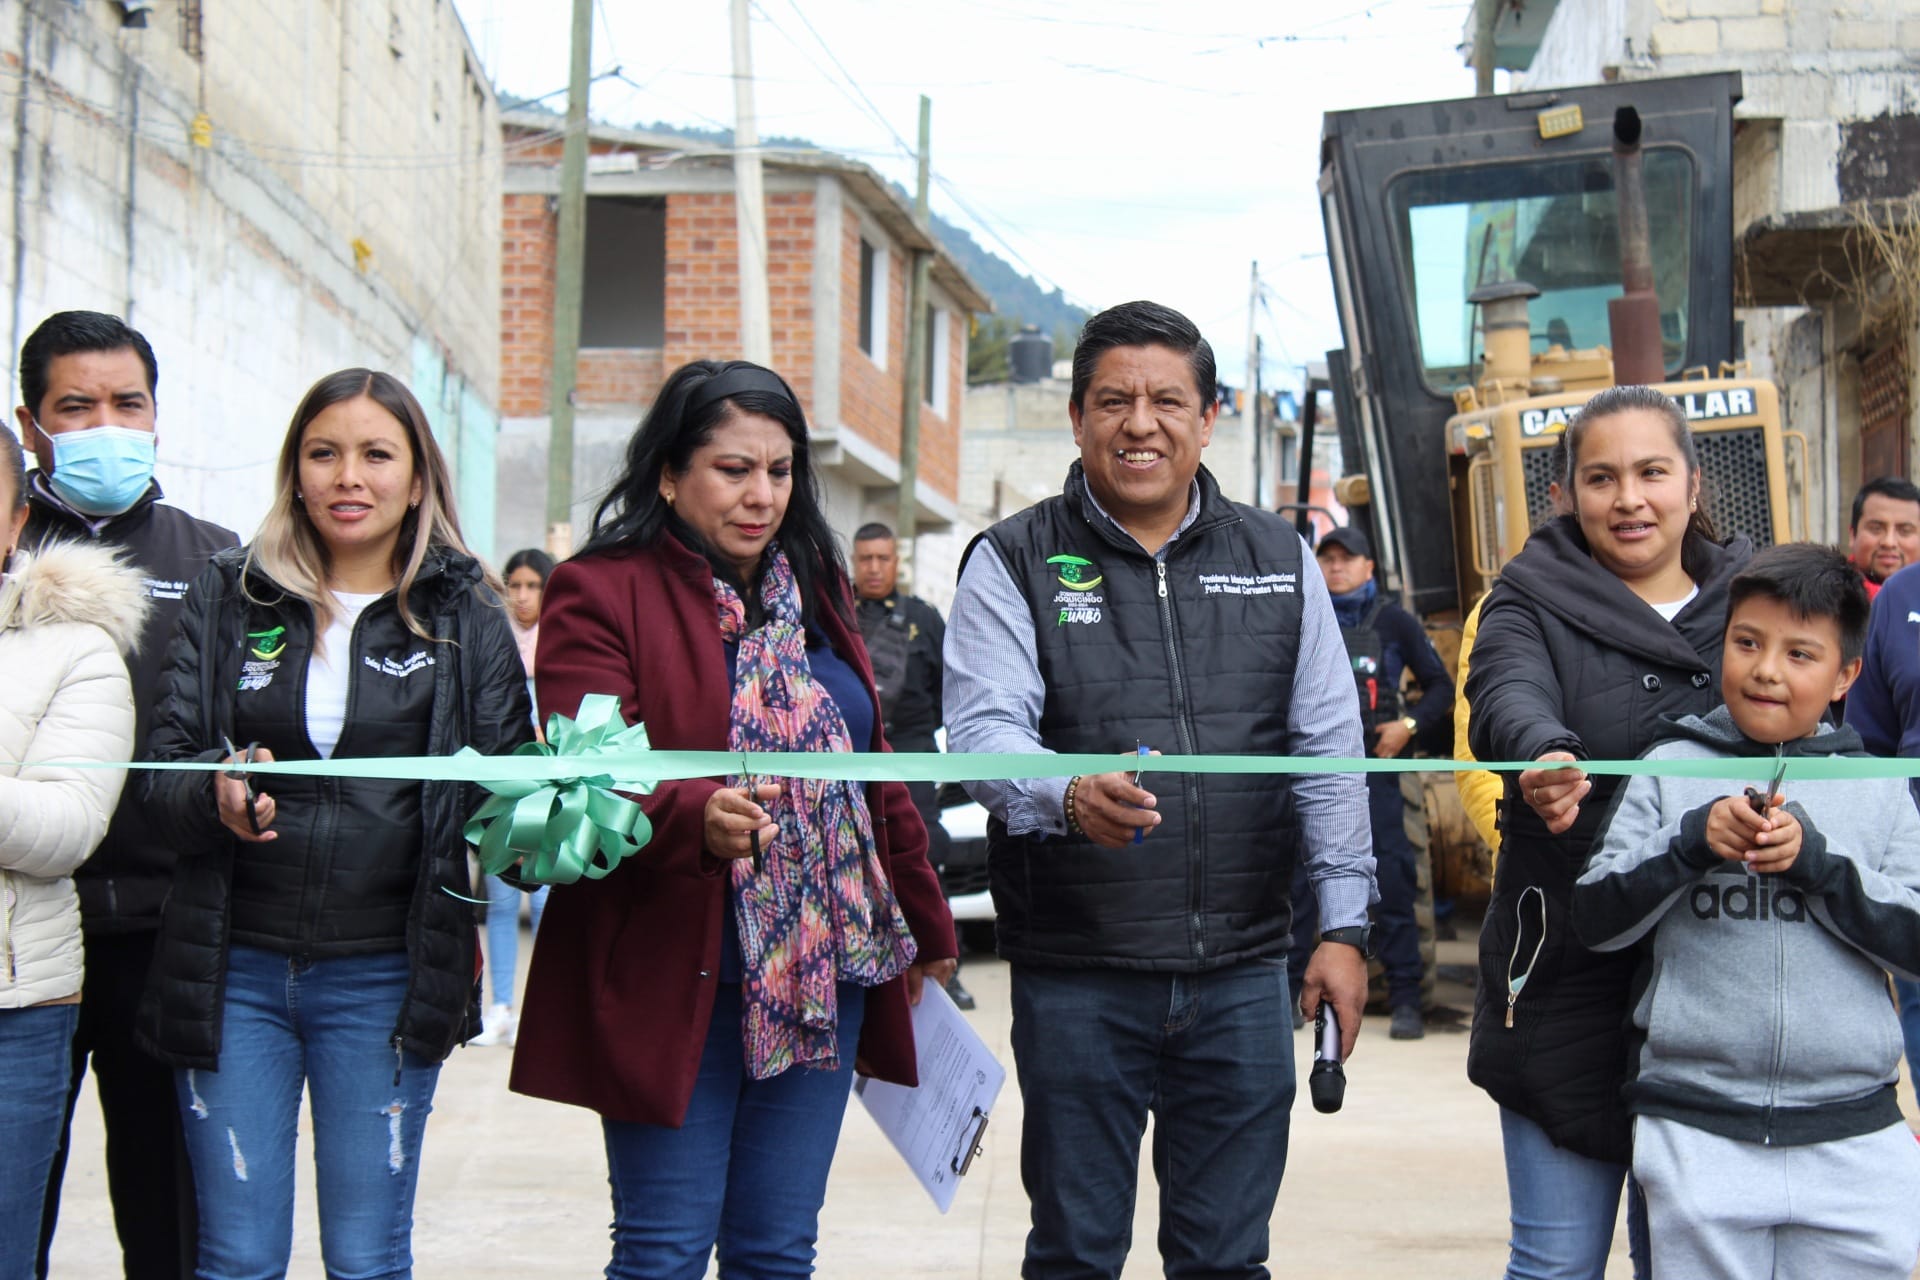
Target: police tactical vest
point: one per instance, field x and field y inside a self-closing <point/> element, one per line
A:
<point x="888" y="648"/>
<point x="1379" y="701"/>
<point x="1193" y="653"/>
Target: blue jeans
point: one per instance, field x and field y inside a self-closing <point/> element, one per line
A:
<point x="1210" y="1055"/>
<point x="503" y="933"/>
<point x="1563" y="1207"/>
<point x="330" y="1025"/>
<point x="746" y="1170"/>
<point x="36" y="1065"/>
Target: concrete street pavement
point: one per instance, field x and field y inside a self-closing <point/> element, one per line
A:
<point x="1405" y="1182"/>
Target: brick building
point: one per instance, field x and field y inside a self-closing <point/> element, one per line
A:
<point x="662" y="288"/>
<point x="1826" y="182"/>
<point x="269" y="192"/>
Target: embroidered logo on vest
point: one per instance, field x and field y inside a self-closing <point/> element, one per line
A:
<point x="1077" y="574"/>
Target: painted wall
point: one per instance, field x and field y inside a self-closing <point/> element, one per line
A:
<point x="362" y="120"/>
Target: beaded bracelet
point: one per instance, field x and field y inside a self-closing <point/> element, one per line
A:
<point x="1073" y="818"/>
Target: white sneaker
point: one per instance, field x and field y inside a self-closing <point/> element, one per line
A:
<point x="497" y="1026"/>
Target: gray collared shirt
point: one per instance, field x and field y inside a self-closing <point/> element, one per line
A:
<point x="994" y="698"/>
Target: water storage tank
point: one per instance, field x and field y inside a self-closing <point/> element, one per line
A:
<point x="1030" y="354"/>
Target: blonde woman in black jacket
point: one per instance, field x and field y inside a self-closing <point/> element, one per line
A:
<point x="1607" y="620"/>
<point x="312" y="937"/>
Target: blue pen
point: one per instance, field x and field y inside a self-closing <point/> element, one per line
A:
<point x="1140" y="749"/>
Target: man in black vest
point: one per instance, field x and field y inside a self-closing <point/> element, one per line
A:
<point x="1146" y="919"/>
<point x="904" y="635"/>
<point x="88" y="383"/>
<point x="1384" y="642"/>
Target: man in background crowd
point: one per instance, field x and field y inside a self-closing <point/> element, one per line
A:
<point x="904" y="635"/>
<point x="88" y="385"/>
<point x="1383" y="642"/>
<point x="1885" y="531"/>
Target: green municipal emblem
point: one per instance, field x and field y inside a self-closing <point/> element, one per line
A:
<point x="1077" y="574"/>
<point x="268" y="645"/>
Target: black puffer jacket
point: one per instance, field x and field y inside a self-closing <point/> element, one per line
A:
<point x="1191" y="654"/>
<point x="331" y="884"/>
<point x="1569" y="659"/>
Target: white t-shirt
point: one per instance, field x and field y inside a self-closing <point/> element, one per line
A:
<point x="1671" y="610"/>
<point x="330" y="671"/>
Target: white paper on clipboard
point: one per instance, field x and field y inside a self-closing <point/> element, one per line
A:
<point x="936" y="1126"/>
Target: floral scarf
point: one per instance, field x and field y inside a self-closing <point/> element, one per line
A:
<point x="819" y="910"/>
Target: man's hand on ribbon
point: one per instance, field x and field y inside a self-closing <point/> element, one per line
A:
<point x="1110" y="807"/>
<point x="734" y="815"/>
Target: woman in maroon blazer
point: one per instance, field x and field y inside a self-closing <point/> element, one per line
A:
<point x="710" y="997"/>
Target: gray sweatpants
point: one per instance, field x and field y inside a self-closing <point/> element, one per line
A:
<point x="1718" y="1207"/>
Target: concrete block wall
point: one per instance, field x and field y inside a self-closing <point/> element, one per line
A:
<point x="236" y="260"/>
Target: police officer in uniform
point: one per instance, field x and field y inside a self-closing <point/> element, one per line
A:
<point x="904" y="635"/>
<point x="1383" y="641"/>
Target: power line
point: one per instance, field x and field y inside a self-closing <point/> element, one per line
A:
<point x="906" y="148"/>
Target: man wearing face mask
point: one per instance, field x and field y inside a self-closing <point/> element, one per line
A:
<point x="88" y="382"/>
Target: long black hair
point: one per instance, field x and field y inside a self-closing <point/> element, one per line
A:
<point x="1700" y="536"/>
<point x="633" y="514"/>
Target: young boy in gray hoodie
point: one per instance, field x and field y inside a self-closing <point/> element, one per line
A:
<point x="1766" y="1134"/>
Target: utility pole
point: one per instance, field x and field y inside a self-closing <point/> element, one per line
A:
<point x="749" y="202"/>
<point x="569" y="274"/>
<point x="1251" y="414"/>
<point x="1485" y="14"/>
<point x="907" y="515"/>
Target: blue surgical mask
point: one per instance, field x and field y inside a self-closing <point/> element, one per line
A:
<point x="101" y="471"/>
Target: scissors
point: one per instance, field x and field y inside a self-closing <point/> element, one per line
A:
<point x="1762" y="802"/>
<point x="1140" y="749"/>
<point x="245" y="778"/>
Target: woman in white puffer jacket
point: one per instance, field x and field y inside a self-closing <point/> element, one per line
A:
<point x="66" y="617"/>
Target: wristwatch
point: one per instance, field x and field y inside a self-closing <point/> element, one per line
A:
<point x="1358" y="936"/>
<point x="1409" y="724"/>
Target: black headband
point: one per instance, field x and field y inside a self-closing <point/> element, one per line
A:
<point x="731" y="382"/>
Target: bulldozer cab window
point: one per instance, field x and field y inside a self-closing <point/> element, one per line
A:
<point x="1553" y="224"/>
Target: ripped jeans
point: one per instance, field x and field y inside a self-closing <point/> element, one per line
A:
<point x="328" y="1024"/>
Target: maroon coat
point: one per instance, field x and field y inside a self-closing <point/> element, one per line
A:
<point x="624" y="972"/>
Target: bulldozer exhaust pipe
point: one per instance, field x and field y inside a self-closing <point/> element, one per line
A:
<point x="1633" y="319"/>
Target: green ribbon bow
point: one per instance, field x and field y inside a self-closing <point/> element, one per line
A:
<point x="562" y="829"/>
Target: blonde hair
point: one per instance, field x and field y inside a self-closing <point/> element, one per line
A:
<point x="288" y="548"/>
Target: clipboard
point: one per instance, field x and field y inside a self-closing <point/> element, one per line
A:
<point x="940" y="1127"/>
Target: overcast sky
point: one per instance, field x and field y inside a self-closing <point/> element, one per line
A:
<point x="1116" y="148"/>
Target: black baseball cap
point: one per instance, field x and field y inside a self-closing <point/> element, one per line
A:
<point x="1353" y="539"/>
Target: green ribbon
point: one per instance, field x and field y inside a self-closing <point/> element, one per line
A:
<point x="563" y="828"/>
<point x="527" y="767"/>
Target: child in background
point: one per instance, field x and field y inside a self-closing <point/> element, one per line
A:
<point x="1766" y="1133"/>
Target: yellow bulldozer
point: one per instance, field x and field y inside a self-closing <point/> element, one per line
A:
<point x="1497" y="261"/>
